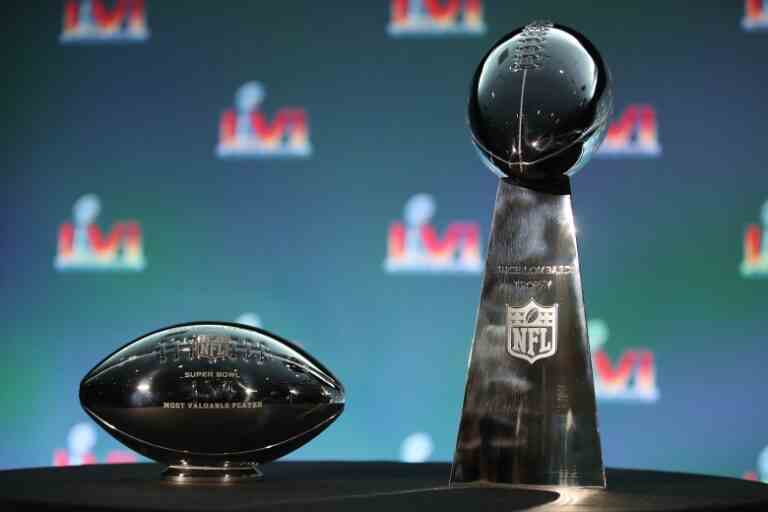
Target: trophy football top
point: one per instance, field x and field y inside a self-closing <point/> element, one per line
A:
<point x="539" y="104"/>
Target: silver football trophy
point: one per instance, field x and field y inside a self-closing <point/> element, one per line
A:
<point x="539" y="107"/>
<point x="212" y="400"/>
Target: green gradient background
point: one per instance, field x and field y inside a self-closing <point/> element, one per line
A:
<point x="302" y="242"/>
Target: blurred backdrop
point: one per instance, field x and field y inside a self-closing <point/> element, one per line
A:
<point x="306" y="167"/>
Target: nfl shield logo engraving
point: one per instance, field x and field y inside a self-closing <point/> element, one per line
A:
<point x="532" y="331"/>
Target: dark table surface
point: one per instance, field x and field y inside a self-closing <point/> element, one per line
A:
<point x="368" y="486"/>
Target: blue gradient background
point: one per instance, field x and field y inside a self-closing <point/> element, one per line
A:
<point x="302" y="242"/>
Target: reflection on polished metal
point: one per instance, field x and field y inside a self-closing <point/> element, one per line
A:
<point x="539" y="107"/>
<point x="212" y="400"/>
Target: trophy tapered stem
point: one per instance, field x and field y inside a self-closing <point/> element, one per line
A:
<point x="529" y="415"/>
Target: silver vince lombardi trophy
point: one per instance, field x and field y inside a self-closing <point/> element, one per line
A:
<point x="539" y="106"/>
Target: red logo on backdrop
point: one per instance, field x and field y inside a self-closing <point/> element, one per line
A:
<point x="761" y="475"/>
<point x="95" y="21"/>
<point x="435" y="17"/>
<point x="82" y="245"/>
<point x="755" y="15"/>
<point x="81" y="441"/>
<point x="630" y="378"/>
<point x="247" y="132"/>
<point x="634" y="133"/>
<point x="415" y="245"/>
<point x="755" y="262"/>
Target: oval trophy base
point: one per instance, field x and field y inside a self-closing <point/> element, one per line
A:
<point x="212" y="474"/>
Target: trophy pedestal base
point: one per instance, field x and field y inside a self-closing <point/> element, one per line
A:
<point x="560" y="489"/>
<point x="529" y="418"/>
<point x="212" y="474"/>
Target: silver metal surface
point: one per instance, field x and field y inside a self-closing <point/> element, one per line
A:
<point x="529" y="415"/>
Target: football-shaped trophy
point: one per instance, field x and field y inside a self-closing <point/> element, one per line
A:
<point x="212" y="400"/>
<point x="539" y="107"/>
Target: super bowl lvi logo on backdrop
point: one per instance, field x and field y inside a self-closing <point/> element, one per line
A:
<point x="249" y="318"/>
<point x="415" y="245"/>
<point x="755" y="261"/>
<point x="247" y="132"/>
<point x="435" y="17"/>
<point x="630" y="377"/>
<point x="93" y="21"/>
<point x="532" y="331"/>
<point x="755" y="15"/>
<point x="81" y="442"/>
<point x="634" y="133"/>
<point x="82" y="245"/>
<point x="761" y="474"/>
